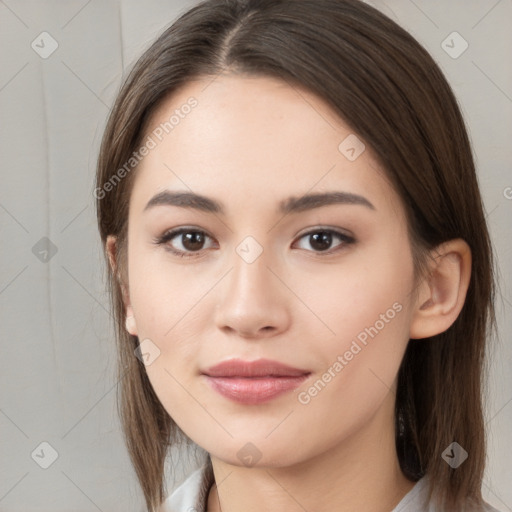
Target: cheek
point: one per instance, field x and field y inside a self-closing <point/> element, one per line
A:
<point x="367" y="309"/>
<point x="164" y="296"/>
<point x="166" y="305"/>
<point x="367" y="292"/>
<point x="357" y="367"/>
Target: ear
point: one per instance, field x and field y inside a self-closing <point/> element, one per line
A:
<point x="441" y="295"/>
<point x="111" y="249"/>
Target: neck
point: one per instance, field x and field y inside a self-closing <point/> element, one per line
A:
<point x="361" y="472"/>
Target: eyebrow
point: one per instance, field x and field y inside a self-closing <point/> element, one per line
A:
<point x="290" y="205"/>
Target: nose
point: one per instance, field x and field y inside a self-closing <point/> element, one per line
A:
<point x="254" y="302"/>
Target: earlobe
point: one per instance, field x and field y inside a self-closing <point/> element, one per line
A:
<point x="130" y="323"/>
<point x="442" y="294"/>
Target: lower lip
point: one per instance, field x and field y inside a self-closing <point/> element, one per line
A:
<point x="254" y="390"/>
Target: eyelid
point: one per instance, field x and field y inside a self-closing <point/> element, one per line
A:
<point x="322" y="227"/>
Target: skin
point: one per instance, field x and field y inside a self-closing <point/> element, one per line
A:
<point x="250" y="143"/>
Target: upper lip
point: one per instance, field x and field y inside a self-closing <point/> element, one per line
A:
<point x="258" y="368"/>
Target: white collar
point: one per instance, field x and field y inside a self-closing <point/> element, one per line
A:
<point x="192" y="494"/>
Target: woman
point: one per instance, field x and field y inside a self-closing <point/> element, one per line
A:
<point x="299" y="264"/>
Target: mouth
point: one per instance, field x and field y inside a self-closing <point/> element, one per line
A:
<point x="254" y="382"/>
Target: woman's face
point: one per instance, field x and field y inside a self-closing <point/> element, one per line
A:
<point x="320" y="285"/>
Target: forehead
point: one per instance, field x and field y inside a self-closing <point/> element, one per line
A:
<point x="250" y="140"/>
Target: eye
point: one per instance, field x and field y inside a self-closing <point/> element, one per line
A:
<point x="321" y="240"/>
<point x="192" y="241"/>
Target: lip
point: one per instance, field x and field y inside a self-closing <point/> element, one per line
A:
<point x="258" y="368"/>
<point x="254" y="382"/>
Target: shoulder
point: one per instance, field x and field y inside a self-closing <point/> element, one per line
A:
<point x="416" y="501"/>
<point x="489" y="508"/>
<point x="191" y="495"/>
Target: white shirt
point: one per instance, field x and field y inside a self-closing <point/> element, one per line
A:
<point x="192" y="495"/>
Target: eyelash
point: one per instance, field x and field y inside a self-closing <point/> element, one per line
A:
<point x="169" y="235"/>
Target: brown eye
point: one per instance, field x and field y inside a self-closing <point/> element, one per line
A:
<point x="188" y="242"/>
<point x="321" y="240"/>
<point x="183" y="241"/>
<point x="192" y="241"/>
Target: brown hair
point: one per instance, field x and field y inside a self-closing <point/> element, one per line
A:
<point x="385" y="85"/>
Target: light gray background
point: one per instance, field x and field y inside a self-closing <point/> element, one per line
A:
<point x="57" y="354"/>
